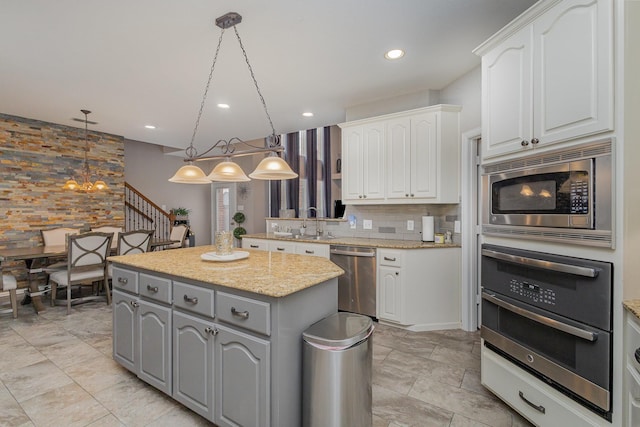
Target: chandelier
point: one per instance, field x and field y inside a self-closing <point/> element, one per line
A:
<point x="86" y="185"/>
<point x="271" y="167"/>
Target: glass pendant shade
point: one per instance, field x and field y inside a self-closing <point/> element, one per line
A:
<point x="273" y="168"/>
<point x="228" y="171"/>
<point x="100" y="185"/>
<point x="72" y="184"/>
<point x="190" y="174"/>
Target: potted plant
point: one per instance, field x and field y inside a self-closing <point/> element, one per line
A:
<point x="181" y="214"/>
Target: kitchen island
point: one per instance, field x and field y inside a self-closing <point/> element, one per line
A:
<point x="222" y="338"/>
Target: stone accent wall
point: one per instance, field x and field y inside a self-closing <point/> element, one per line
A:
<point x="36" y="159"/>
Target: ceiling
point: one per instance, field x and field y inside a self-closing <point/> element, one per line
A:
<point x="146" y="62"/>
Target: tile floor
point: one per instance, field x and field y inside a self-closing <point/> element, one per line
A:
<point x="57" y="370"/>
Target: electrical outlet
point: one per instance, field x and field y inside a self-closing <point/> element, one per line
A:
<point x="456" y="226"/>
<point x="367" y="224"/>
<point x="409" y="225"/>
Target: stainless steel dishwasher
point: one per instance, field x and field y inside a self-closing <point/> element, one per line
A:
<point x="357" y="286"/>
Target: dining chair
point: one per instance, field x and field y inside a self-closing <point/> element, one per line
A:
<point x="179" y="233"/>
<point x="51" y="237"/>
<point x="86" y="264"/>
<point x="110" y="229"/>
<point x="134" y="242"/>
<point x="8" y="287"/>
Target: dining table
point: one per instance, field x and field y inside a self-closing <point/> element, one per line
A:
<point x="31" y="254"/>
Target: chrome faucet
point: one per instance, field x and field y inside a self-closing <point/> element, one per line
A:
<point x="318" y="230"/>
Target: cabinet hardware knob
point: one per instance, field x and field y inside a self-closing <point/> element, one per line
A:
<point x="211" y="331"/>
<point x="360" y="196"/>
<point x="152" y="288"/>
<point x="406" y="195"/>
<point x="365" y="196"/>
<point x="122" y="280"/>
<point x="534" y="141"/>
<point x="397" y="273"/>
<point x="191" y="300"/>
<point x="637" y="354"/>
<point x="524" y="143"/>
<point x="254" y="246"/>
<point x="280" y="249"/>
<point x="411" y="194"/>
<point x="134" y="304"/>
<point x="538" y="408"/>
<point x="242" y="314"/>
<point x="389" y="258"/>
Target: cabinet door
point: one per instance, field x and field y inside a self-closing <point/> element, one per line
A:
<point x="242" y="373"/>
<point x="373" y="167"/>
<point x="572" y="70"/>
<point x="154" y="342"/>
<point x="352" y="163"/>
<point x="399" y="159"/>
<point x="124" y="330"/>
<point x="424" y="161"/>
<point x="193" y="358"/>
<point x="507" y="118"/>
<point x="390" y="293"/>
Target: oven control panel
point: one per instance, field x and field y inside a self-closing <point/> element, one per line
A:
<point x="579" y="197"/>
<point x="530" y="291"/>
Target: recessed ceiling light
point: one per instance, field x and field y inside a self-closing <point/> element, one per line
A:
<point x="149" y="126"/>
<point x="394" y="54"/>
<point x="308" y="114"/>
<point x="223" y="105"/>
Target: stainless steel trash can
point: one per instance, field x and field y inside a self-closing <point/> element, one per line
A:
<point x="336" y="378"/>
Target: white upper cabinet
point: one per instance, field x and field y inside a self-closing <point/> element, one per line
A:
<point x="362" y="163"/>
<point x="547" y="77"/>
<point x="408" y="157"/>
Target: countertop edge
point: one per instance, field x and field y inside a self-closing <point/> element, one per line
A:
<point x="633" y="307"/>
<point x="359" y="241"/>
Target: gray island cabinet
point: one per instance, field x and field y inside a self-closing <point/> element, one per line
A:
<point x="222" y="338"/>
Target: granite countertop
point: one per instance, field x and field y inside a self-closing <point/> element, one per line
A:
<point x="633" y="305"/>
<point x="358" y="241"/>
<point x="267" y="273"/>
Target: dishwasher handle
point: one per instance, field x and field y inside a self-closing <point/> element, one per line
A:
<point x="371" y="254"/>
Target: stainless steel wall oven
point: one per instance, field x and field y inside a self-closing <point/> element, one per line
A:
<point x="552" y="316"/>
<point x="563" y="196"/>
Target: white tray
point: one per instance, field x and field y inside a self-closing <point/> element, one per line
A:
<point x="212" y="256"/>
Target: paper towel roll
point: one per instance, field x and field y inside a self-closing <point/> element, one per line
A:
<point x="427" y="229"/>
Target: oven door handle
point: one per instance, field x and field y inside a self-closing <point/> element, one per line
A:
<point x="572" y="330"/>
<point x="546" y="265"/>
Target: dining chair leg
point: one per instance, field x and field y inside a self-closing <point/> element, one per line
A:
<point x="68" y="299"/>
<point x="13" y="296"/>
<point x="54" y="288"/>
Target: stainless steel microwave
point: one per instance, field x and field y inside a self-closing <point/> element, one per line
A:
<point x="551" y="194"/>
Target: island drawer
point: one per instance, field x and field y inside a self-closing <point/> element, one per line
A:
<point x="247" y="313"/>
<point x="193" y="298"/>
<point x="390" y="257"/>
<point x="155" y="288"/>
<point x="125" y="280"/>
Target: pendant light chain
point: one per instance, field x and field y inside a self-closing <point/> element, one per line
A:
<point x="191" y="151"/>
<point x="255" y="82"/>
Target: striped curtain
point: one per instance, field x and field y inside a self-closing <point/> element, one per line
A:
<point x="308" y="153"/>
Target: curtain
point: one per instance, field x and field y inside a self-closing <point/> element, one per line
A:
<point x="308" y="153"/>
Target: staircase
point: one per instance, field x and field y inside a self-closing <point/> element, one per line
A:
<point x="142" y="213"/>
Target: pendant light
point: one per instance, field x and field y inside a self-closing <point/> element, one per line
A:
<point x="86" y="185"/>
<point x="227" y="170"/>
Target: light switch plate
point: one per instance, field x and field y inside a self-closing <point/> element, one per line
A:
<point x="240" y="208"/>
<point x="409" y="225"/>
<point x="456" y="226"/>
<point x="367" y="224"/>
